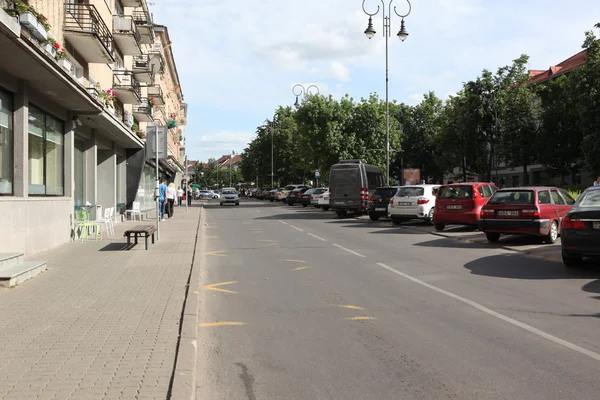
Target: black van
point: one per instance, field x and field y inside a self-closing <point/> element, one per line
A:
<point x="351" y="182"/>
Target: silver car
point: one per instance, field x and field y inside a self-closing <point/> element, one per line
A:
<point x="230" y="196"/>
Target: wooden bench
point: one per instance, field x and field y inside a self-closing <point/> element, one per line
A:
<point x="144" y="231"/>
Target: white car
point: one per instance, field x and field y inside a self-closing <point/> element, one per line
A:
<point x="324" y="200"/>
<point x="413" y="202"/>
<point x="230" y="195"/>
<point x="208" y="194"/>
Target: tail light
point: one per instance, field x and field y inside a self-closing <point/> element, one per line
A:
<point x="321" y="196"/>
<point x="423" y="200"/>
<point x="392" y="201"/>
<point x="486" y="212"/>
<point x="533" y="213"/>
<point x="568" y="223"/>
<point x="364" y="194"/>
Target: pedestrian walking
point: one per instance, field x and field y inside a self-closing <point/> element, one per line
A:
<point x="597" y="182"/>
<point x="162" y="198"/>
<point x="179" y="196"/>
<point x="171" y="196"/>
<point x="189" y="195"/>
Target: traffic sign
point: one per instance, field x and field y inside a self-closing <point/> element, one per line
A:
<point x="317" y="174"/>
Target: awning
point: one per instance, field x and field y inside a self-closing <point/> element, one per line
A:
<point x="27" y="61"/>
<point x="111" y="126"/>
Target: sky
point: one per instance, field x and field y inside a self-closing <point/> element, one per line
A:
<point x="239" y="60"/>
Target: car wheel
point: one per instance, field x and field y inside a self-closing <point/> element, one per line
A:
<point x="341" y="213"/>
<point x="221" y="204"/>
<point x="374" y="217"/>
<point x="552" y="235"/>
<point x="396" y="221"/>
<point x="439" y="226"/>
<point x="429" y="220"/>
<point x="492" y="236"/>
<point x="317" y="206"/>
<point x="271" y="200"/>
<point x="325" y="208"/>
<point x="571" y="261"/>
<point x="237" y="204"/>
<point x="215" y="197"/>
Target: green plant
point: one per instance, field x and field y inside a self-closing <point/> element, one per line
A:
<point x="60" y="52"/>
<point x="21" y="7"/>
<point x="43" y="20"/>
<point x="107" y="96"/>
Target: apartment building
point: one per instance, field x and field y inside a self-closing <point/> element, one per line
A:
<point x="79" y="83"/>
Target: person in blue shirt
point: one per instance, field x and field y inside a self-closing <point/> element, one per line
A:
<point x="162" y="198"/>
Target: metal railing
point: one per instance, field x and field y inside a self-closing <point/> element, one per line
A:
<point x="142" y="18"/>
<point x="125" y="24"/>
<point x="85" y="18"/>
<point x="155" y="91"/>
<point x="126" y="80"/>
<point x="145" y="107"/>
<point x="94" y="92"/>
<point x="141" y="62"/>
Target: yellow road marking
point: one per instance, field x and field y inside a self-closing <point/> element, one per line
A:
<point x="217" y="253"/>
<point x="300" y="268"/>
<point x="348" y="306"/>
<point x="217" y="289"/>
<point x="359" y="318"/>
<point x="295" y="261"/>
<point x="221" y="323"/>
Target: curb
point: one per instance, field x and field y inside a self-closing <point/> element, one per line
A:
<point x="185" y="373"/>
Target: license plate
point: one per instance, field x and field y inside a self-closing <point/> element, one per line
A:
<point x="404" y="203"/>
<point x="454" y="207"/>
<point x="596" y="225"/>
<point x="380" y="209"/>
<point x="508" y="213"/>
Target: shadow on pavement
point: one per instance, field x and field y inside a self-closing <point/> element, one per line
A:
<point x="119" y="246"/>
<point x="516" y="266"/>
<point x="450" y="243"/>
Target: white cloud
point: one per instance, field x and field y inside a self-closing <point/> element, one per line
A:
<point x="216" y="144"/>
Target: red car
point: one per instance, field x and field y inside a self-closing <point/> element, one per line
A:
<point x="460" y="203"/>
<point x="534" y="211"/>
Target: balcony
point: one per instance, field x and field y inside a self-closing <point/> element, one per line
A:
<point x="126" y="35"/>
<point x="141" y="69"/>
<point x="88" y="34"/>
<point x="143" y="112"/>
<point x="183" y="107"/>
<point x="157" y="62"/>
<point x="126" y="87"/>
<point x="155" y="94"/>
<point x="143" y="21"/>
<point x="131" y="3"/>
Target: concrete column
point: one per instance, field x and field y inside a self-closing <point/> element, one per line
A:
<point x="21" y="141"/>
<point x="107" y="177"/>
<point x="69" y="164"/>
<point x="91" y="169"/>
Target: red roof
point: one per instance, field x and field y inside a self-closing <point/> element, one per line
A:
<point x="235" y="160"/>
<point x="571" y="63"/>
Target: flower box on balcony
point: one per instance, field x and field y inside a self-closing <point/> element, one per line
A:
<point x="49" y="47"/>
<point x="29" y="21"/>
<point x="65" y="64"/>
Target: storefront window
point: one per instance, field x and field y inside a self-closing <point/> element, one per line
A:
<point x="6" y="143"/>
<point x="46" y="153"/>
<point x="79" y="161"/>
<point x="145" y="194"/>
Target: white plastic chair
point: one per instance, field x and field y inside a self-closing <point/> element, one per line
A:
<point x="105" y="220"/>
<point x="112" y="219"/>
<point x="135" y="210"/>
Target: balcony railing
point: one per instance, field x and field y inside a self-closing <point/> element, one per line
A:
<point x="126" y="87"/>
<point x="155" y="94"/>
<point x="143" y="112"/>
<point x="127" y="35"/>
<point x="142" y="18"/>
<point x="82" y="21"/>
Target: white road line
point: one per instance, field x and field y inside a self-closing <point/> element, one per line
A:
<point x="283" y="222"/>
<point x="349" y="251"/>
<point x="296" y="228"/>
<point x="317" y="237"/>
<point x="502" y="317"/>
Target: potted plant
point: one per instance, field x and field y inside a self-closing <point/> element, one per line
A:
<point x="63" y="59"/>
<point x="107" y="97"/>
<point x="51" y="47"/>
<point x="29" y="18"/>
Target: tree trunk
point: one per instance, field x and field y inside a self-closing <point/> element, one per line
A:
<point x="525" y="173"/>
<point x="490" y="163"/>
<point x="464" y="169"/>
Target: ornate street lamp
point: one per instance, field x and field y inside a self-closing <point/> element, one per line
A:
<point x="402" y="35"/>
<point x="299" y="90"/>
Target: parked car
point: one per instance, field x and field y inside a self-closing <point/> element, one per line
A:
<point x="282" y="196"/>
<point x="351" y="182"/>
<point x="273" y="193"/>
<point x="460" y="203"/>
<point x="230" y="196"/>
<point x="314" y="199"/>
<point x="377" y="206"/>
<point x="534" y="211"/>
<point x="305" y="198"/>
<point x="413" y="202"/>
<point x="324" y="200"/>
<point x="295" y="194"/>
<point x="207" y="194"/>
<point x="580" y="229"/>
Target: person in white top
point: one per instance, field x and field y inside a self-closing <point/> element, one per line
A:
<point x="179" y="196"/>
<point x="597" y="182"/>
<point x="171" y="195"/>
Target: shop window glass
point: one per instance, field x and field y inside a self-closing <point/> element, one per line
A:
<point x="46" y="154"/>
<point x="6" y="143"/>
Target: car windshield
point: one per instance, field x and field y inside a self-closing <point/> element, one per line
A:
<point x="457" y="192"/>
<point x="512" y="197"/>
<point x="309" y="191"/>
<point x="290" y="187"/>
<point x="410" y="191"/>
<point x="385" y="192"/>
<point x="319" y="191"/>
<point x="229" y="192"/>
<point x="590" y="199"/>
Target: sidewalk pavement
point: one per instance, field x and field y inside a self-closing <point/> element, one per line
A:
<point x="101" y="322"/>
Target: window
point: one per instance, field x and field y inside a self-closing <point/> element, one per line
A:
<point x="544" y="197"/>
<point x="410" y="191"/>
<point x="6" y="143"/>
<point x="457" y="192"/>
<point x="570" y="200"/>
<point x="485" y="191"/>
<point x="556" y="198"/>
<point x="46" y="152"/>
<point x="512" y="197"/>
<point x="374" y="180"/>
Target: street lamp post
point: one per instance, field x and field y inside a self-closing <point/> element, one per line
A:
<point x="402" y="35"/>
<point x="272" y="156"/>
<point x="230" y="157"/>
<point x="299" y="90"/>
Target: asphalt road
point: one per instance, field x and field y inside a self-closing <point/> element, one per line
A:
<point x="313" y="307"/>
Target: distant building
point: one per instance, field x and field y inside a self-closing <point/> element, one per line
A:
<point x="230" y="160"/>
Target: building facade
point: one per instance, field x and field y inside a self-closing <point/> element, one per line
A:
<point x="79" y="83"/>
